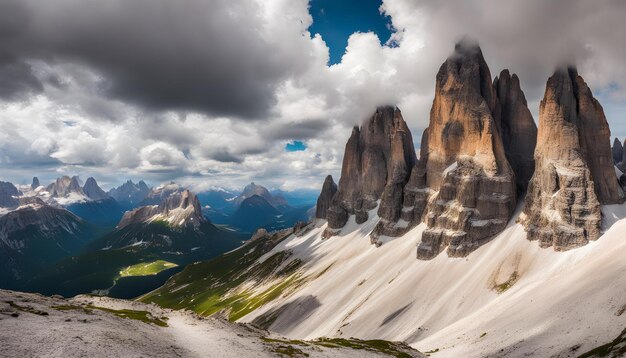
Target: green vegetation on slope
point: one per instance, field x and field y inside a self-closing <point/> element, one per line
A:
<point x="500" y="288"/>
<point x="146" y="269"/>
<point x="41" y="246"/>
<point x="615" y="348"/>
<point x="97" y="269"/>
<point x="375" y="345"/>
<point x="217" y="285"/>
<point x="143" y="316"/>
<point x="394" y="349"/>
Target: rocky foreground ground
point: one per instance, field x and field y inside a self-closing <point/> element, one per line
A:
<point x="32" y="325"/>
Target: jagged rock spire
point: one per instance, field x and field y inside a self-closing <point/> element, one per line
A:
<point x="618" y="151"/>
<point x="574" y="166"/>
<point x="178" y="208"/>
<point x="517" y="128"/>
<point x="378" y="157"/>
<point x="326" y="196"/>
<point x="93" y="191"/>
<point x="8" y="194"/>
<point x="65" y="185"/>
<point x="465" y="166"/>
<point x="35" y="183"/>
<point x="478" y="153"/>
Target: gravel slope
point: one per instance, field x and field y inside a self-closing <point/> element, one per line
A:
<point x="32" y="325"/>
<point x="508" y="298"/>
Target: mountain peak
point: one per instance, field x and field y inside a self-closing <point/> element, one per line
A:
<point x="130" y="192"/>
<point x="277" y="201"/>
<point x="329" y="188"/>
<point x="254" y="200"/>
<point x="378" y="156"/>
<point x="8" y="194"/>
<point x="142" y="185"/>
<point x="178" y="208"/>
<point x="574" y="164"/>
<point x="253" y="213"/>
<point x="465" y="166"/>
<point x="618" y="151"/>
<point x="93" y="191"/>
<point x="35" y="183"/>
<point x="64" y="187"/>
<point x="467" y="46"/>
<point x="517" y="127"/>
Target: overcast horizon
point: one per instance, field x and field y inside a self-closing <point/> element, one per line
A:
<point x="221" y="93"/>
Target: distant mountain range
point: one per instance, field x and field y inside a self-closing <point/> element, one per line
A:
<point x="130" y="194"/>
<point x="71" y="237"/>
<point x="36" y="235"/>
<point x="171" y="233"/>
<point x="256" y="206"/>
<point x="254" y="212"/>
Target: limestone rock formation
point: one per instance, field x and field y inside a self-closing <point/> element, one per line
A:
<point x="465" y="162"/>
<point x="376" y="165"/>
<point x="130" y="193"/>
<point x="618" y="151"/>
<point x="178" y="209"/>
<point x="326" y="196"/>
<point x="35" y="183"/>
<point x="64" y="186"/>
<point x="8" y="195"/>
<point x="574" y="171"/>
<point x="517" y="128"/>
<point x="93" y="191"/>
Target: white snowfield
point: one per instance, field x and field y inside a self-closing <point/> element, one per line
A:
<point x="36" y="326"/>
<point x="508" y="298"/>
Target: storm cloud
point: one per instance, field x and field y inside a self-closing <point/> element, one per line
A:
<point x="212" y="90"/>
<point x="218" y="57"/>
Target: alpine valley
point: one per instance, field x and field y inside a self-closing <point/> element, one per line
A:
<point x="71" y="238"/>
<point x="501" y="236"/>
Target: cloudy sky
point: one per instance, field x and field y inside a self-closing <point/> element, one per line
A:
<point x="222" y="92"/>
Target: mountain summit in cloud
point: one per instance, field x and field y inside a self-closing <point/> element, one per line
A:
<point x="377" y="162"/>
<point x="575" y="170"/>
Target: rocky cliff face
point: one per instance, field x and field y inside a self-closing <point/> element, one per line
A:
<point x="376" y="166"/>
<point x="618" y="151"/>
<point x="93" y="191"/>
<point x="622" y="165"/>
<point x="480" y="152"/>
<point x="465" y="165"/>
<point x="517" y="128"/>
<point x="33" y="211"/>
<point x="8" y="194"/>
<point x="596" y="143"/>
<point x="326" y="196"/>
<point x="574" y="166"/>
<point x="130" y="193"/>
<point x="157" y="194"/>
<point x="178" y="209"/>
<point x="64" y="186"/>
<point x="35" y="183"/>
